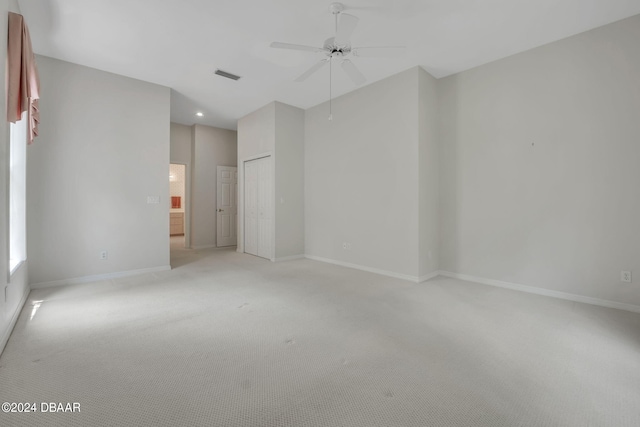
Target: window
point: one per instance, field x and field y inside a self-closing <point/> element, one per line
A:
<point x="17" y="193"/>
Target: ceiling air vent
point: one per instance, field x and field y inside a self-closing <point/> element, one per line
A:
<point x="227" y="75"/>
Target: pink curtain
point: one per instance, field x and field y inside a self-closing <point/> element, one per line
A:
<point x="23" y="84"/>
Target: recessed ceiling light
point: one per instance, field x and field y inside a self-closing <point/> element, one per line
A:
<point x="199" y="114"/>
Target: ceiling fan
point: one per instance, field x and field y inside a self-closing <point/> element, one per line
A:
<point x="339" y="47"/>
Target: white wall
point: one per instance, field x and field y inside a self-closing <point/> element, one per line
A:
<point x="14" y="289"/>
<point x="257" y="132"/>
<point x="361" y="177"/>
<point x="289" y="181"/>
<point x="429" y="175"/>
<point x="180" y="144"/>
<point x="103" y="148"/>
<point x="277" y="129"/>
<point x="211" y="147"/>
<point x="540" y="155"/>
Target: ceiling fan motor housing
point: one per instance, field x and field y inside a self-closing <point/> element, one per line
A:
<point x="336" y="8"/>
<point x="332" y="49"/>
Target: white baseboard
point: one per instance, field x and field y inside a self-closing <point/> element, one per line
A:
<point x="203" y="247"/>
<point x="428" y="276"/>
<point x="544" y="292"/>
<point x="98" y="277"/>
<point x="387" y="273"/>
<point x="12" y="323"/>
<point x="288" y="258"/>
<point x="212" y="247"/>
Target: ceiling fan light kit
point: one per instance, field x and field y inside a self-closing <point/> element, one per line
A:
<point x="339" y="47"/>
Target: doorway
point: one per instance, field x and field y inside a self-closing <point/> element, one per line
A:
<point x="177" y="193"/>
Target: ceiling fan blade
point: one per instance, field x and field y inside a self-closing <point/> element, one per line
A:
<point x="279" y="45"/>
<point x="379" y="52"/>
<point x="351" y="70"/>
<point x="311" y="70"/>
<point x="345" y="28"/>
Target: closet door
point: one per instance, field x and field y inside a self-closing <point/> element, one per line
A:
<point x="258" y="207"/>
<point x="251" y="207"/>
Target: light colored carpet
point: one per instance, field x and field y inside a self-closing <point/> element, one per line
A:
<point x="230" y="340"/>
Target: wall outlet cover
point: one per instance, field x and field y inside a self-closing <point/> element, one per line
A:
<point x="625" y="276"/>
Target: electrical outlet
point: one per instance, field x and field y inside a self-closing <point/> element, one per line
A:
<point x="625" y="276"/>
<point x="103" y="255"/>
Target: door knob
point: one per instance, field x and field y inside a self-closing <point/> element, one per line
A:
<point x="220" y="210"/>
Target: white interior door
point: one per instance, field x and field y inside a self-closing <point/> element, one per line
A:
<point x="258" y="207"/>
<point x="227" y="211"/>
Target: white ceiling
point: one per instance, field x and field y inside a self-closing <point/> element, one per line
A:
<point x="179" y="43"/>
